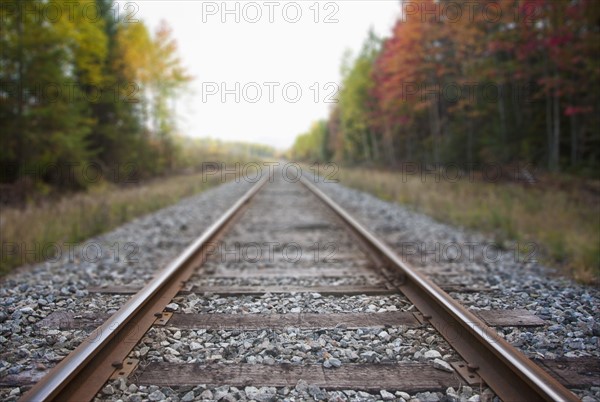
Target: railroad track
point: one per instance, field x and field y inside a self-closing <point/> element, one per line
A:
<point x="310" y="248"/>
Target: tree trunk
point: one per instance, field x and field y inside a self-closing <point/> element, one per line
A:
<point x="574" y="134"/>
<point x="366" y="154"/>
<point x="434" y="129"/>
<point x="469" y="141"/>
<point x="389" y="145"/>
<point x="376" y="156"/>
<point x="574" y="140"/>
<point x="549" y="134"/>
<point x="517" y="102"/>
<point x="502" y="115"/>
<point x="20" y="132"/>
<point x="556" y="134"/>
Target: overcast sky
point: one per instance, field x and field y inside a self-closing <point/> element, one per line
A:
<point x="270" y="60"/>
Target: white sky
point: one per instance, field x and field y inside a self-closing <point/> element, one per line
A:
<point x="299" y="54"/>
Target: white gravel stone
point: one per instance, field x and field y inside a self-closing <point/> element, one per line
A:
<point x="108" y="390"/>
<point x="220" y="392"/>
<point x="442" y="365"/>
<point x="432" y="354"/>
<point x="301" y="386"/>
<point x="251" y="392"/>
<point x="157" y="396"/>
<point x="188" y="397"/>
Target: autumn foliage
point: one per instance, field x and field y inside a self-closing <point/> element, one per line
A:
<point x="470" y="83"/>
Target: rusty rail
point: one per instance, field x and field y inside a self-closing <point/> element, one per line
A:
<point x="80" y="375"/>
<point x="507" y="371"/>
<point x="511" y="375"/>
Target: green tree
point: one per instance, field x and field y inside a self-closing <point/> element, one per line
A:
<point x="356" y="109"/>
<point x="45" y="119"/>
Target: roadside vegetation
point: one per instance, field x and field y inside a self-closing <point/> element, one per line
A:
<point x="560" y="215"/>
<point x="37" y="227"/>
<point x="44" y="220"/>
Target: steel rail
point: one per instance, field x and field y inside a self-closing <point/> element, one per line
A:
<point x="510" y="374"/>
<point x="81" y="374"/>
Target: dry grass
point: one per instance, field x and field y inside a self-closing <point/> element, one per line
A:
<point x="82" y="215"/>
<point x="565" y="225"/>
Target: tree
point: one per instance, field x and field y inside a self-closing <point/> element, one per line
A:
<point x="77" y="89"/>
<point x="521" y="85"/>
<point x="355" y="104"/>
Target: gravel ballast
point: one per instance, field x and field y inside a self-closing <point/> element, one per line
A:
<point x="285" y="213"/>
<point x="144" y="246"/>
<point x="571" y="310"/>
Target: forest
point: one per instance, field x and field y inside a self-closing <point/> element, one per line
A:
<point x="85" y="85"/>
<point x="469" y="84"/>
